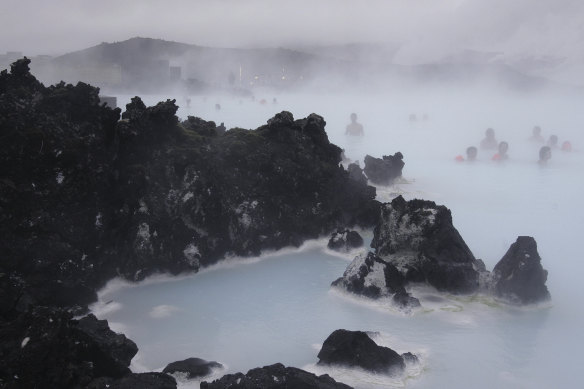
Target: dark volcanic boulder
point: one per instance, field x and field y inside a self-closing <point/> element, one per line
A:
<point x="356" y="173"/>
<point x="405" y="301"/>
<point x="383" y="171"/>
<point x="418" y="237"/>
<point x="275" y="376"/>
<point x="370" y="276"/>
<point x="135" y="381"/>
<point x="345" y="240"/>
<point x="357" y="349"/>
<point x="111" y="352"/>
<point x="46" y="348"/>
<point x="193" y="367"/>
<point x="519" y="275"/>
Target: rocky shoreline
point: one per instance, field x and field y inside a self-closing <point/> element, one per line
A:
<point x="85" y="197"/>
<point x="88" y="194"/>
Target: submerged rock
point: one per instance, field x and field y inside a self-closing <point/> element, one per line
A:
<point x="419" y="239"/>
<point x="275" y="376"/>
<point x="383" y="171"/>
<point x="345" y="240"/>
<point x="357" y="349"/>
<point x="193" y="367"/>
<point x="519" y="275"/>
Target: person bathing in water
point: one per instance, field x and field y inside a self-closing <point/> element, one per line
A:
<point x="354" y="128"/>
<point x="501" y="155"/>
<point x="545" y="154"/>
<point x="536" y="136"/>
<point x="553" y="141"/>
<point x="489" y="142"/>
<point x="471" y="155"/>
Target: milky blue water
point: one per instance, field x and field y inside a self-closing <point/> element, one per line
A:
<point x="280" y="308"/>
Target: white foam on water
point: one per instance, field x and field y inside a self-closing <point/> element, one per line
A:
<point x="382" y="304"/>
<point x="182" y="382"/>
<point x="363" y="379"/>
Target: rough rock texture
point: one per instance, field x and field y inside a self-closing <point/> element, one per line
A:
<point x="135" y="381"/>
<point x="345" y="240"/>
<point x="356" y="173"/>
<point x="415" y="241"/>
<point x="370" y="276"/>
<point x="275" y="376"/>
<point x="85" y="196"/>
<point x="383" y="171"/>
<point x="519" y="275"/>
<point x="357" y="349"/>
<point x="418" y="238"/>
<point x="193" y="367"/>
<point x="47" y="348"/>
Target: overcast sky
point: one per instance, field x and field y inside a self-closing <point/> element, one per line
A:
<point x="427" y="27"/>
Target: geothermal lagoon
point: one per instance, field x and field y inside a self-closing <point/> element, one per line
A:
<point x="251" y="312"/>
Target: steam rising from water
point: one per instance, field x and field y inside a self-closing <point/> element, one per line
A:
<point x="259" y="311"/>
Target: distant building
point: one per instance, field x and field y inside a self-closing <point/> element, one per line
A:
<point x="175" y="73"/>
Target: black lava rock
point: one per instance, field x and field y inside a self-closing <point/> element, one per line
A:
<point x="370" y="276"/>
<point x="135" y="381"/>
<point x="345" y="240"/>
<point x="519" y="275"/>
<point x="45" y="347"/>
<point x="418" y="237"/>
<point x="410" y="358"/>
<point x="275" y="376"/>
<point x="357" y="349"/>
<point x="405" y="301"/>
<point x="193" y="367"/>
<point x="85" y="197"/>
<point x="385" y="170"/>
<point x="356" y="173"/>
<point x="111" y="352"/>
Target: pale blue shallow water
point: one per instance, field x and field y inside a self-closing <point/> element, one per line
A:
<point x="281" y="308"/>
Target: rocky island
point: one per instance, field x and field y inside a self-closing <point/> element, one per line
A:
<point x="416" y="242"/>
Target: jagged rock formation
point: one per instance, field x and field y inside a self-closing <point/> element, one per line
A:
<point x="357" y="349"/>
<point x="356" y="173"/>
<point x="345" y="240"/>
<point x="45" y="347"/>
<point x="193" y="367"/>
<point x="519" y="276"/>
<point x="371" y="276"/>
<point x="85" y="196"/>
<point x="418" y="238"/>
<point x="275" y="376"/>
<point x="415" y="241"/>
<point x="383" y="171"/>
